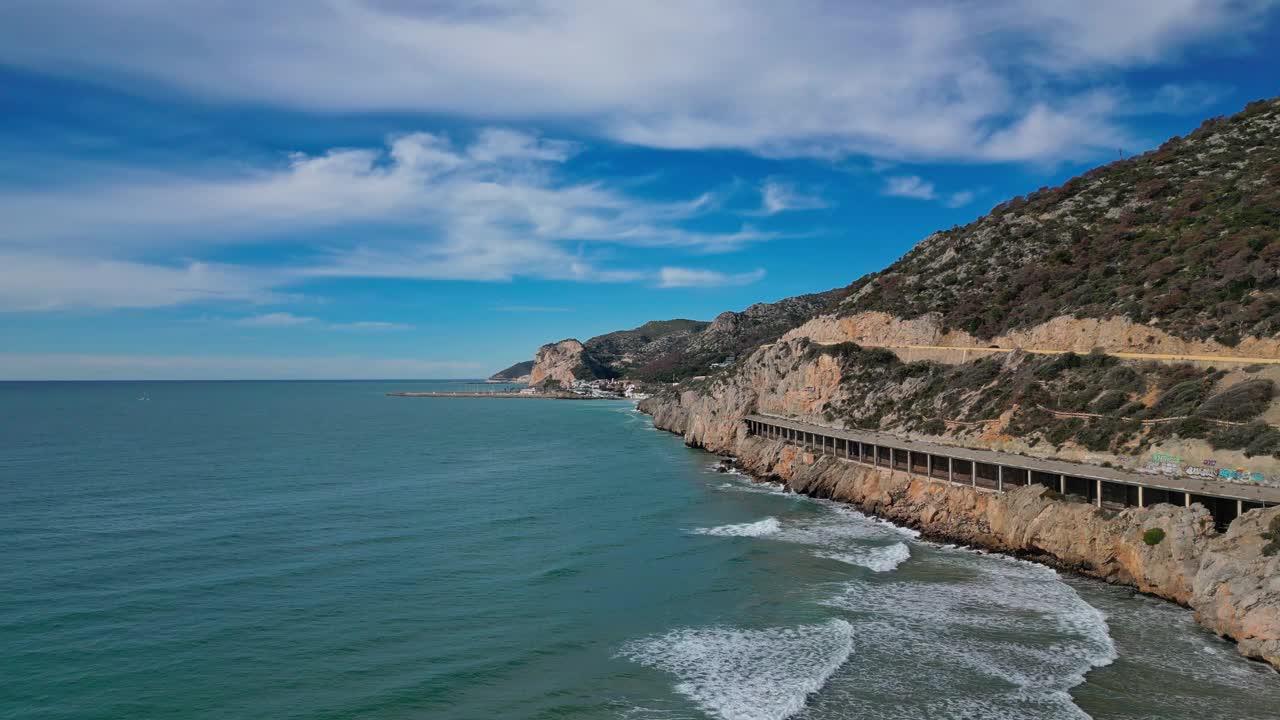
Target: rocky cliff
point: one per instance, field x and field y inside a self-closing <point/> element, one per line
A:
<point x="1082" y="335"/>
<point x="563" y="362"/>
<point x="1231" y="580"/>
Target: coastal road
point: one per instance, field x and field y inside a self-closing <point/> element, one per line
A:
<point x="1133" y="356"/>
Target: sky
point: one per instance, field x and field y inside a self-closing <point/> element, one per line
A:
<point x="433" y="189"/>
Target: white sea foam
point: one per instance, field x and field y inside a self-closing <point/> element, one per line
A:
<point x="1013" y="622"/>
<point x="740" y="674"/>
<point x="760" y="488"/>
<point x="767" y="526"/>
<point x="881" y="559"/>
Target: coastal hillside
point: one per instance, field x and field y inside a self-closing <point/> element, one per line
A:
<point x="624" y="351"/>
<point x="734" y="334"/>
<point x="516" y="373"/>
<point x="1176" y="250"/>
<point x="1173" y="252"/>
<point x="671" y="350"/>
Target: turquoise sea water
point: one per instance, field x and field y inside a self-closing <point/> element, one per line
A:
<point x="319" y="550"/>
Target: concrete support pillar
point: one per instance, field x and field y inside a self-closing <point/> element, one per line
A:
<point x="973" y="473"/>
<point x="1142" y="501"/>
<point x="1062" y="484"/>
<point x="928" y="466"/>
<point x="1239" y="508"/>
<point x="1099" y="492"/>
<point x="862" y="453"/>
<point x="999" y="478"/>
<point x="951" y="469"/>
<point x="910" y="465"/>
<point x="875" y="452"/>
<point x="1186" y="497"/>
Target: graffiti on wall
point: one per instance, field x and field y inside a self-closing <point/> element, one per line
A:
<point x="1174" y="466"/>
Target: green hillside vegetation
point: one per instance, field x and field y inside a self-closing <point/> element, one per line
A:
<point x="1186" y="238"/>
<point x="737" y="334"/>
<point x="520" y="369"/>
<point x="1025" y="390"/>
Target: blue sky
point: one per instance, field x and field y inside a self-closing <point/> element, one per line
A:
<point x="387" y="188"/>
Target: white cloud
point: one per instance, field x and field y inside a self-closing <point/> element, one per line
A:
<point x="959" y="199"/>
<point x="57" y="366"/>
<point x="916" y="187"/>
<point x="965" y="81"/>
<point x="491" y="210"/>
<point x="677" y="277"/>
<point x="30" y="282"/>
<point x="777" y="197"/>
<point x="910" y="186"/>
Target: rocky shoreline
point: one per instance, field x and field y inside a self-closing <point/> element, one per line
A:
<point x="1226" y="578"/>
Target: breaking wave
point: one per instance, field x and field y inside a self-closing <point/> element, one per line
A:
<point x="881" y="559"/>
<point x="1013" y="623"/>
<point x="767" y="526"/>
<point x="748" y="674"/>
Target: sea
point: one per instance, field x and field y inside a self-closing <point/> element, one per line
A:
<point x="320" y="550"/>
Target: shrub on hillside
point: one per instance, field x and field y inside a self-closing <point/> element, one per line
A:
<point x="1254" y="439"/>
<point x="1153" y="536"/>
<point x="1241" y="402"/>
<point x="933" y="426"/>
<point x="1272" y="534"/>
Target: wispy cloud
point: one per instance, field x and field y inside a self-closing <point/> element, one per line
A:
<point x="275" y="320"/>
<point x="56" y="366"/>
<point x="959" y="199"/>
<point x="900" y="80"/>
<point x="910" y="186"/>
<point x="677" y="277"/>
<point x="370" y="326"/>
<point x="490" y="210"/>
<point x="777" y="197"/>
<point x="532" y="309"/>
<point x="917" y="188"/>
<point x="34" y="282"/>
<point x="288" y="320"/>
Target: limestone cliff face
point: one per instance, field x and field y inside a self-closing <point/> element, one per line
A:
<point x="1114" y="334"/>
<point x="1233" y="587"/>
<point x="562" y="362"/>
<point x="998" y="403"/>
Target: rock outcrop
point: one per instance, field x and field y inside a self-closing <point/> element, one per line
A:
<point x="1082" y="335"/>
<point x="562" y="363"/>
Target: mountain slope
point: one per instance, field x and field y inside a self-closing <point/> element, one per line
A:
<point x="1185" y="239"/>
<point x="625" y="350"/>
<point x="513" y="373"/>
<point x="734" y="334"/>
<point x="669" y="350"/>
<point x="1175" y="251"/>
